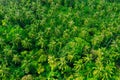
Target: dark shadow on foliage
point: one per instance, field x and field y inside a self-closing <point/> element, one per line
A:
<point x="117" y="1"/>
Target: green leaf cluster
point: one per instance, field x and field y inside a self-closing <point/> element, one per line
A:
<point x="59" y="39"/>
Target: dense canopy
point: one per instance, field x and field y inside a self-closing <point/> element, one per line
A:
<point x="59" y="39"/>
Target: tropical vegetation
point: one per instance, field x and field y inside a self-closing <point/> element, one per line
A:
<point x="59" y="39"/>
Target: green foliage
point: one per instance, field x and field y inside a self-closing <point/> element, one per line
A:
<point x="59" y="40"/>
